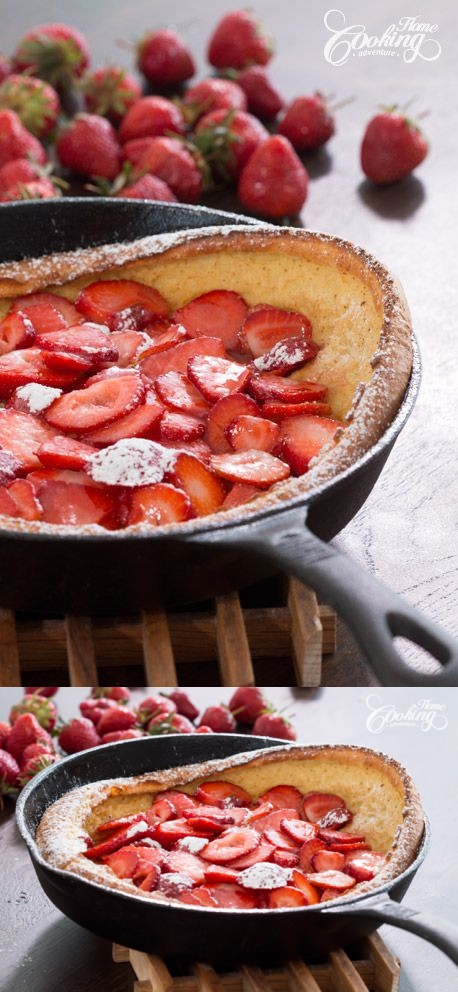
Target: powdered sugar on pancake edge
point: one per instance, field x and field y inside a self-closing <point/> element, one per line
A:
<point x="131" y="462"/>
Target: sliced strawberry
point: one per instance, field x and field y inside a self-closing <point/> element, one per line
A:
<point x="222" y="414"/>
<point x="167" y="337"/>
<point x="263" y="852"/>
<point x="23" y="495"/>
<point x="300" y="881"/>
<point x="65" y="452"/>
<point x="247" y="433"/>
<point x="327" y="895"/>
<point x="265" y="326"/>
<point x="284" y="797"/>
<point x="84" y="410"/>
<point x="234" y="843"/>
<point x="111" y="372"/>
<point x="159" y="504"/>
<point x="337" y="880"/>
<point x="101" y="300"/>
<point x="24" y="366"/>
<point x="298" y="830"/>
<point x="187" y="863"/>
<point x="260" y="811"/>
<point x="280" y="840"/>
<point x="363" y="866"/>
<point x="286" y="897"/>
<point x="240" y="494"/>
<point x="180" y="800"/>
<point x="219" y="313"/>
<point x="151" y="880"/>
<point x="271" y="820"/>
<point x="198" y="897"/>
<point x="26" y="304"/>
<point x="161" y="810"/>
<point x="208" y="824"/>
<point x="139" y="423"/>
<point x="8" y="507"/>
<point x="308" y="851"/>
<point x="68" y="362"/>
<point x="75" y="502"/>
<point x="220" y="873"/>
<point x="45" y="318"/>
<point x="217" y="377"/>
<point x="204" y="490"/>
<point x="10" y="467"/>
<point x="88" y="340"/>
<point x="287" y="356"/>
<point x="123" y="862"/>
<point x="222" y="794"/>
<point x="278" y="411"/>
<point x="336" y="818"/>
<point x="178" y="393"/>
<point x="302" y="438"/>
<point x="134" y="318"/>
<point x="16" y="331"/>
<point x="315" y="805"/>
<point x="121" y="822"/>
<point x="345" y="848"/>
<point x="255" y="467"/>
<point x="286" y="859"/>
<point x="135" y="831"/>
<point x="176" y="359"/>
<point x="22" y="434"/>
<point x="178" y="427"/>
<point x="229" y="896"/>
<point x="129" y="345"/>
<point x="328" y="861"/>
<point x="233" y="815"/>
<point x="339" y="836"/>
<point x="168" y="833"/>
<point x="272" y="387"/>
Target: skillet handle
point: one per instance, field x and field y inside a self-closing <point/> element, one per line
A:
<point x="374" y="613"/>
<point x="442" y="933"/>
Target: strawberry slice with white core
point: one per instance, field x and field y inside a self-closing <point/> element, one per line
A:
<point x="65" y="452"/>
<point x="257" y="467"/>
<point x="140" y="423"/>
<point x="123" y="862"/>
<point x="300" y="881"/>
<point x="287" y="356"/>
<point x="286" y="898"/>
<point x="247" y="433"/>
<point x="328" y="861"/>
<point x="283" y="797"/>
<point x="217" y="377"/>
<point x="220" y="312"/>
<point x="176" y="359"/>
<point x="8" y="507"/>
<point x="69" y="362"/>
<point x="278" y="411"/>
<point x="168" y="337"/>
<point x="159" y="504"/>
<point x="280" y="840"/>
<point x="45" y="318"/>
<point x="198" y="897"/>
<point x="26" y="365"/>
<point x="240" y="494"/>
<point x="222" y="414"/>
<point x="229" y="896"/>
<point x="178" y="393"/>
<point x="130" y="345"/>
<point x="16" y="331"/>
<point x="222" y="794"/>
<point x="231" y="845"/>
<point x="198" y="448"/>
<point x="315" y="805"/>
<point x="131" y="462"/>
<point x="69" y="503"/>
<point x="339" y="836"/>
<point x="22" y="434"/>
<point x="34" y="398"/>
<point x="205" y="491"/>
<point x="298" y="830"/>
<point x="286" y="859"/>
<point x="170" y="832"/>
<point x="27" y="303"/>
<point x="302" y="438"/>
<point x="364" y="865"/>
<point x="271" y="820"/>
<point x="10" y="467"/>
<point x="308" y="851"/>
<point x="220" y="873"/>
<point x="23" y="495"/>
<point x="264" y="876"/>
<point x="270" y="387"/>
<point x="89" y="340"/>
<point x="83" y="410"/>
<point x="178" y="427"/>
<point x="189" y="864"/>
<point x="265" y="326"/>
<point x="100" y="300"/>
<point x="263" y="852"/>
<point x="337" y="880"/>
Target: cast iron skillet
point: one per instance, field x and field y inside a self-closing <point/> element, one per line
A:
<point x="121" y="572"/>
<point x="222" y="937"/>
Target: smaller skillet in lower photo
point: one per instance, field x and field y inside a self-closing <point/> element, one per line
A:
<point x="229" y="937"/>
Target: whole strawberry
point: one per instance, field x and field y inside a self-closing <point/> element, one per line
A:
<point x="148" y="187"/>
<point x="122" y="735"/>
<point x="307" y="122"/>
<point x="35" y="102"/>
<point x="34" y="189"/>
<point x="4" y="731"/>
<point x="41" y="690"/>
<point x="78" y="735"/>
<point x="170" y="723"/>
<point x="119" y="693"/>
<point x="171" y="161"/>
<point x="264" y="100"/>
<point x="26" y="731"/>
<point x="93" y="709"/>
<point x="55" y="52"/>
<point x="44" y="710"/>
<point x="273" y="725"/>
<point x="247" y="703"/>
<point x="110" y="92"/>
<point x="35" y="765"/>
<point x="115" y="718"/>
<point x="34" y="751"/>
<point x="218" y="718"/>
<point x="184" y="704"/>
<point x="16" y="141"/>
<point x="213" y="94"/>
<point x="392" y="147"/>
<point x="204" y="730"/>
<point x="89" y="146"/>
<point x="6" y="67"/>
<point x="274" y="182"/>
<point x="227" y="140"/>
<point x="164" y="59"/>
<point x="149" y="116"/>
<point x="9" y="775"/>
<point x="152" y="706"/>
<point x="237" y="41"/>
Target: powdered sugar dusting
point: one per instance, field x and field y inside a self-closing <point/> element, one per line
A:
<point x="192" y="844"/>
<point x="264" y="876"/>
<point x="131" y="462"/>
<point x="35" y="398"/>
<point x="279" y="355"/>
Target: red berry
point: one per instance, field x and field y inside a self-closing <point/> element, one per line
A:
<point x="35" y="102"/>
<point x="392" y="147"/>
<point x="237" y="41"/>
<point x="38" y="189"/>
<point x="6" y="67"/>
<point x="183" y="704"/>
<point x="247" y="703"/>
<point x="173" y="162"/>
<point x="9" y="772"/>
<point x="307" y="122"/>
<point x="16" y="172"/>
<point x="110" y="92"/>
<point x="170" y="723"/>
<point x="35" y="765"/>
<point x="89" y="146"/>
<point x="16" y="141"/>
<point x="164" y="59"/>
<point x="44" y="710"/>
<point x="218" y="718"/>
<point x="274" y="182"/>
<point x="272" y="725"/>
<point x="119" y="693"/>
<point x="115" y="718"/>
<point x="78" y="735"/>
<point x="264" y="100"/>
<point x="154" y="705"/>
<point x="34" y="751"/>
<point x="148" y="188"/>
<point x="26" y="731"/>
<point x="150" y="116"/>
<point x="228" y="139"/>
<point x="4" y="731"/>
<point x="214" y="94"/>
<point x="55" y="52"/>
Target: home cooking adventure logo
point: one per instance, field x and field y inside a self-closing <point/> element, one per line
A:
<point x="424" y="714"/>
<point x="409" y="39"/>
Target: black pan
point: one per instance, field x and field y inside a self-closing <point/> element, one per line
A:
<point x="222" y="937"/>
<point x="119" y="572"/>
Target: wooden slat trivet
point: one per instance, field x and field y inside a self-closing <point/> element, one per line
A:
<point x="374" y="970"/>
<point x="73" y="648"/>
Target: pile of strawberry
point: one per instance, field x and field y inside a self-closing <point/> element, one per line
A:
<point x="120" y="413"/>
<point x="221" y="848"/>
<point x="176" y="146"/>
<point x="27" y="741"/>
